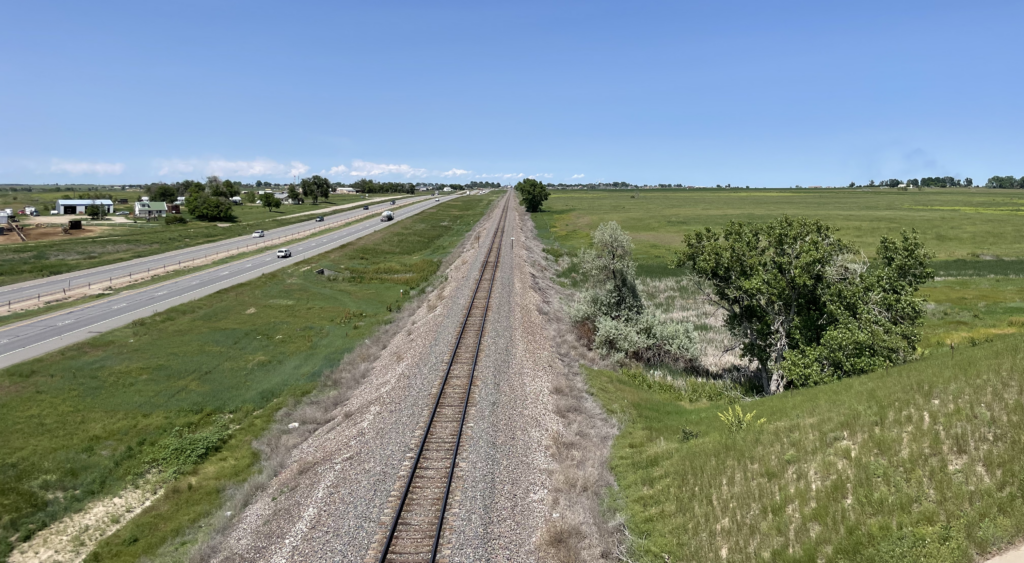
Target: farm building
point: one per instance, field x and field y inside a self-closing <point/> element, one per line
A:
<point x="148" y="209"/>
<point x="77" y="206"/>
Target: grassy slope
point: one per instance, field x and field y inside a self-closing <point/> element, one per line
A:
<point x="924" y="463"/>
<point x="691" y="500"/>
<point x="81" y="422"/>
<point x="34" y="260"/>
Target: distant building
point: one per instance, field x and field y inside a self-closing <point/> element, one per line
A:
<point x="78" y="206"/>
<point x="344" y="191"/>
<point x="150" y="209"/>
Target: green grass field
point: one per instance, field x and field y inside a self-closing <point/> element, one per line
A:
<point x="922" y="463"/>
<point x="32" y="260"/>
<point x="88" y="419"/>
<point x="958" y="224"/>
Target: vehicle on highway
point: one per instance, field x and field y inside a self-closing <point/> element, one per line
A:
<point x="386" y="216"/>
<point x="319" y="219"/>
<point x="258" y="234"/>
<point x="437" y="199"/>
<point x="284" y="253"/>
<point x="366" y="208"/>
<point x="392" y="202"/>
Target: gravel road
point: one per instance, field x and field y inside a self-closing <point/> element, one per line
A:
<point x="336" y="496"/>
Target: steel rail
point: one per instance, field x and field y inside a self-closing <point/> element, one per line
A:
<point x="495" y="243"/>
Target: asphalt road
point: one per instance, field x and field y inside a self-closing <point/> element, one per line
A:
<point x="35" y="337"/>
<point x="31" y="289"/>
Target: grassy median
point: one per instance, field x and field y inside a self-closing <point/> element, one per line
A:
<point x="86" y="420"/>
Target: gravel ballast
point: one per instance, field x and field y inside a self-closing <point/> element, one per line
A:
<point x="334" y="498"/>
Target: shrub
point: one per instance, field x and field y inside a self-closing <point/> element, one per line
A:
<point x="175" y="219"/>
<point x="611" y="316"/>
<point x="182" y="450"/>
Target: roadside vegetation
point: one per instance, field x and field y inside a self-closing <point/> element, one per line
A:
<point x="182" y="394"/>
<point x="915" y="459"/>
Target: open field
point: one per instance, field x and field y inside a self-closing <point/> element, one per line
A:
<point x="232" y="358"/>
<point x="107" y="242"/>
<point x="917" y="463"/>
<point x="955" y="223"/>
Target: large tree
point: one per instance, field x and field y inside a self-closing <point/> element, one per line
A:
<point x="271" y="202"/>
<point x="804" y="303"/>
<point x="316" y="187"/>
<point x="532" y="194"/>
<point x="206" y="208"/>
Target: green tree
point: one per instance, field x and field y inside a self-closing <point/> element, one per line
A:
<point x="165" y="193"/>
<point x="293" y="194"/>
<point x="1002" y="182"/>
<point x="803" y="302"/>
<point x="206" y="208"/>
<point x="271" y="202"/>
<point x="96" y="211"/>
<point x="532" y="194"/>
<point x="316" y="187"/>
<point x="231" y="189"/>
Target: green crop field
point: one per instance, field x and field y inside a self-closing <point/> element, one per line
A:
<point x="84" y="421"/>
<point x="920" y="463"/>
<point x="124" y="241"/>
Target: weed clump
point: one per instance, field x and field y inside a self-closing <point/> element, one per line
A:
<point x="182" y="450"/>
<point x="734" y="418"/>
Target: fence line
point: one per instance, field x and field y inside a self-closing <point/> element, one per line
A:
<point x="178" y="265"/>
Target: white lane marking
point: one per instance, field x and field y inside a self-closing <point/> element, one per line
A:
<point x="118" y="306"/>
<point x="346" y="239"/>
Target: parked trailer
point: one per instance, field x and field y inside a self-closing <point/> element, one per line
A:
<point x="386" y="216"/>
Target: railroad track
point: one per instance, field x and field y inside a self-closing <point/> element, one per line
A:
<point x="414" y="535"/>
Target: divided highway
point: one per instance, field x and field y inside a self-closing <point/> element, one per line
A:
<point x="29" y="289"/>
<point x="38" y="336"/>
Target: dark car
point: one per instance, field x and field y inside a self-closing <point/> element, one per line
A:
<point x="319" y="219"/>
<point x="366" y="208"/>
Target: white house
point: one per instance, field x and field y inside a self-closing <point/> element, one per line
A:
<point x="77" y="206"/>
<point x="148" y="209"/>
<point x="344" y="190"/>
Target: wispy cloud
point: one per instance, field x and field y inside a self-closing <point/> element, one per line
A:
<point x="81" y="167"/>
<point x="231" y="168"/>
<point x="502" y="176"/>
<point x="576" y="176"/>
<point x="535" y="176"/>
<point x="364" y="168"/>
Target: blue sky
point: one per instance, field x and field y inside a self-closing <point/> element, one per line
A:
<point x="740" y="92"/>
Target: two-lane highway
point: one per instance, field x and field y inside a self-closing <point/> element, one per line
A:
<point x="35" y="337"/>
<point x="30" y="289"/>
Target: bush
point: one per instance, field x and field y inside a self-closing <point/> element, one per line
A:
<point x="175" y="220"/>
<point x="182" y="450"/>
<point x="611" y="316"/>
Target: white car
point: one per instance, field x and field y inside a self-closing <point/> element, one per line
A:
<point x="437" y="199"/>
<point x="284" y="253"/>
<point x="258" y="234"/>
